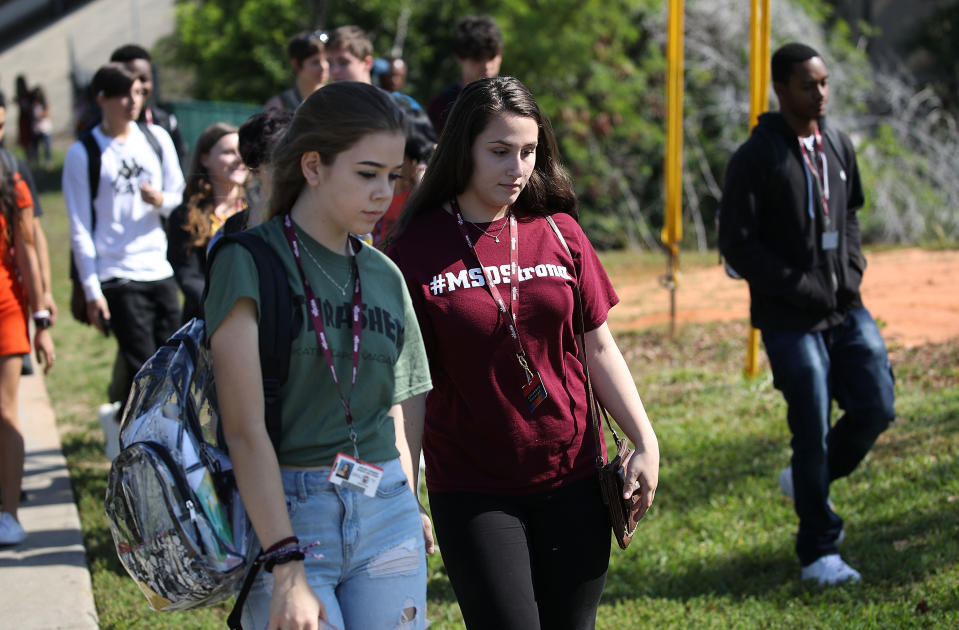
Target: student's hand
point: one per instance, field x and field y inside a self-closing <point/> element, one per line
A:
<point x="642" y="477"/>
<point x="293" y="605"/>
<point x="151" y="195"/>
<point x="43" y="344"/>
<point x="427" y="530"/>
<point x="94" y="309"/>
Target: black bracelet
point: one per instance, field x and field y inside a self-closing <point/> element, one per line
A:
<point x="293" y="555"/>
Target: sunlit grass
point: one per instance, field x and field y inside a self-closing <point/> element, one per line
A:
<point x="716" y="551"/>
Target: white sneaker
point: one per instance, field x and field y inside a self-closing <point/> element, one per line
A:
<point x="11" y="532"/>
<point x="830" y="570"/>
<point x="107" y="414"/>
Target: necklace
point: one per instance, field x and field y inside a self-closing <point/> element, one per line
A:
<point x="349" y="276"/>
<point x="495" y="237"/>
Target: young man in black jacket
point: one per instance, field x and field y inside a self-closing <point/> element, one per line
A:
<point x="789" y="227"/>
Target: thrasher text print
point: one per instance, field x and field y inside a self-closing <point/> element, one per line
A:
<point x="448" y="281"/>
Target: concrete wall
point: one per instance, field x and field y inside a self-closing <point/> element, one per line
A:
<point x="88" y="35"/>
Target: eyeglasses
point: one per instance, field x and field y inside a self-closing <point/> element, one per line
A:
<point x="321" y="35"/>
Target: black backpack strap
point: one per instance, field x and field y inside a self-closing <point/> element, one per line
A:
<point x="152" y="140"/>
<point x="276" y="338"/>
<point x="276" y="316"/>
<point x="93" y="170"/>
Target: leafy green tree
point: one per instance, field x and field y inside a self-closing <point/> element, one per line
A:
<point x="597" y="68"/>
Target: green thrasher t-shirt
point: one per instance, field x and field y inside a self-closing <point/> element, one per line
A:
<point x="393" y="364"/>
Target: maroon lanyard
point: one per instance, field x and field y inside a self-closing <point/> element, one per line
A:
<point x="313" y="308"/>
<point x="817" y="170"/>
<point x="510" y="314"/>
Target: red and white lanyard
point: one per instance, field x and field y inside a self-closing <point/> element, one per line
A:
<point x="818" y="169"/>
<point x="313" y="308"/>
<point x="510" y="314"/>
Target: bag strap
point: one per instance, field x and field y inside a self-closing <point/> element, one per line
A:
<point x="595" y="408"/>
<point x="151" y="140"/>
<point x="93" y="171"/>
<point x="276" y="338"/>
<point x="276" y="315"/>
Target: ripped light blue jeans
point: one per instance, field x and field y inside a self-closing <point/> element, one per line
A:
<point x="372" y="575"/>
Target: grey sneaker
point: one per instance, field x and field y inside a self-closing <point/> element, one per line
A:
<point x="11" y="532"/>
<point x="830" y="570"/>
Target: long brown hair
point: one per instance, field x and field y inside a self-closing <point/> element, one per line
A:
<point x="198" y="194"/>
<point x="548" y="190"/>
<point x="331" y="120"/>
<point x="12" y="215"/>
<point x="8" y="203"/>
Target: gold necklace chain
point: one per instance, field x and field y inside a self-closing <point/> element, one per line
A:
<point x="495" y="237"/>
<point x="349" y="276"/>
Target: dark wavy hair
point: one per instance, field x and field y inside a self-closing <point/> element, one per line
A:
<point x="330" y="121"/>
<point x="259" y="134"/>
<point x="198" y="193"/>
<point x="548" y="190"/>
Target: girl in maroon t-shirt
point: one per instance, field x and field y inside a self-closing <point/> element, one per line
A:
<point x="510" y="459"/>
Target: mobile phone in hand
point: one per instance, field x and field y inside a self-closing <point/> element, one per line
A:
<point x="104" y="324"/>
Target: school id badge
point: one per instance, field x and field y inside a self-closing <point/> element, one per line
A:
<point x="534" y="392"/>
<point x="355" y="474"/>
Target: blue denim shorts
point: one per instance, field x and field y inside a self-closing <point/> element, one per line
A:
<point x="372" y="574"/>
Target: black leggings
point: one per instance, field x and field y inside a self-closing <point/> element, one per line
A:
<point x="534" y="562"/>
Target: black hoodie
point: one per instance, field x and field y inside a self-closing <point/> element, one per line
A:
<point x="767" y="235"/>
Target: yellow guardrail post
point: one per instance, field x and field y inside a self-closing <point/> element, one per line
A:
<point x="758" y="103"/>
<point x="672" y="232"/>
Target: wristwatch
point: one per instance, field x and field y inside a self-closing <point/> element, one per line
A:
<point x="42" y="319"/>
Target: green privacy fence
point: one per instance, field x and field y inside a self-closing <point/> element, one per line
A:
<point x="195" y="116"/>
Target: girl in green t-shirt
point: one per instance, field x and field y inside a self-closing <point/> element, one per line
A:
<point x="334" y="506"/>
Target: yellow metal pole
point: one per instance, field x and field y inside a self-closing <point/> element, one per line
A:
<point x="672" y="233"/>
<point x="758" y="103"/>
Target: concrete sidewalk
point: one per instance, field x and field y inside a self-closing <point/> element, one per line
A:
<point x="45" y="582"/>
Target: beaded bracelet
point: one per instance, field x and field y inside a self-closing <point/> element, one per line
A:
<point x="282" y="555"/>
<point x="282" y="543"/>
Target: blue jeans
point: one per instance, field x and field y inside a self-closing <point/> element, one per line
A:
<point x="848" y="363"/>
<point x="373" y="571"/>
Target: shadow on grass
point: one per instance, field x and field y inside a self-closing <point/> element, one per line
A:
<point x="890" y="552"/>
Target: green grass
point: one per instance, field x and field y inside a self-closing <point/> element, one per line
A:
<point x="716" y="550"/>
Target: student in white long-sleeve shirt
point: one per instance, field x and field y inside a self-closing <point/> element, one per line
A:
<point x="121" y="257"/>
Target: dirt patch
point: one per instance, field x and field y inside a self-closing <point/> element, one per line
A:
<point x="912" y="293"/>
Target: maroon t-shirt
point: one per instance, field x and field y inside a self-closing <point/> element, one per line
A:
<point x="480" y="436"/>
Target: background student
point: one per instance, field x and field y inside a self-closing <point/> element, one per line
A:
<point x="214" y="192"/>
<point x="307" y="54"/>
<point x="20" y="284"/>
<point x="122" y="263"/>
